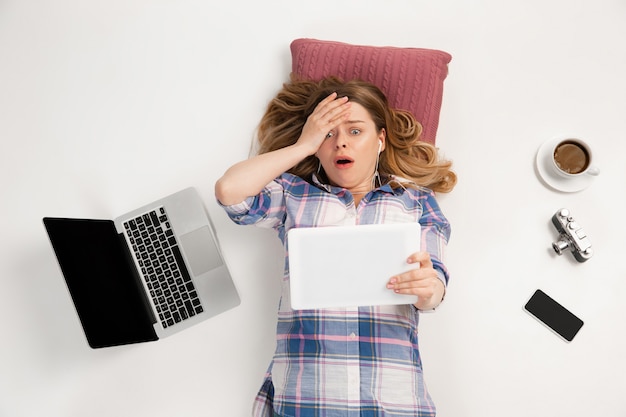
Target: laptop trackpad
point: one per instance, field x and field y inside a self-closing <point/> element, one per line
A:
<point x="200" y="250"/>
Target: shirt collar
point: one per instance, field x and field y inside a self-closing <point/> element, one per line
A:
<point x="385" y="188"/>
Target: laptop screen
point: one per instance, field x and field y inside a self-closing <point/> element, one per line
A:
<point x="102" y="281"/>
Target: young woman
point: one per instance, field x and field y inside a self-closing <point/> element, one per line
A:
<point x="334" y="153"/>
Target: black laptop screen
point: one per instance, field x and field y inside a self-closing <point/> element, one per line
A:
<point x="102" y="281"/>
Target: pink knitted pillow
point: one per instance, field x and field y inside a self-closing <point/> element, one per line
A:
<point x="411" y="78"/>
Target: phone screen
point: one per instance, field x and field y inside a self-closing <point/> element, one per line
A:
<point x="554" y="315"/>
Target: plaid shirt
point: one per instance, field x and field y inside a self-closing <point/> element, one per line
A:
<point x="348" y="362"/>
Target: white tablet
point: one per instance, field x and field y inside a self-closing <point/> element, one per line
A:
<point x="349" y="266"/>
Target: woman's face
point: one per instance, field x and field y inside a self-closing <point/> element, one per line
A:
<point x="349" y="153"/>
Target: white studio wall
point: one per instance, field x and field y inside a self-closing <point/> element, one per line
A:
<point x="94" y="96"/>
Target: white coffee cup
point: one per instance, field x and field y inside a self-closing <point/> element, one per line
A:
<point x="572" y="158"/>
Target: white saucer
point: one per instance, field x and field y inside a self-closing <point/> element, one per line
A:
<point x="551" y="178"/>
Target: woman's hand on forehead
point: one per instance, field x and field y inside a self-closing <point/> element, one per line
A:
<point x="327" y="115"/>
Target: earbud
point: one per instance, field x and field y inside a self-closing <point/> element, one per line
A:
<point x="380" y="146"/>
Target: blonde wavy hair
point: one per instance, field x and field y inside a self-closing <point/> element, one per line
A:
<point x="405" y="155"/>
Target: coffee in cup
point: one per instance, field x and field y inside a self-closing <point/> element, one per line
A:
<point x="572" y="157"/>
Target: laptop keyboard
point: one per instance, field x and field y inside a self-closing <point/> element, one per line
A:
<point x="162" y="267"/>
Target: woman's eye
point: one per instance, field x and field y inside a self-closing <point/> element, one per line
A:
<point x="329" y="135"/>
<point x="355" y="131"/>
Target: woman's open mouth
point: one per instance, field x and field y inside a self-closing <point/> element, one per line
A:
<point x="343" y="162"/>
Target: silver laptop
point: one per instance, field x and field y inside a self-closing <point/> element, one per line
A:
<point x="349" y="266"/>
<point x="145" y="275"/>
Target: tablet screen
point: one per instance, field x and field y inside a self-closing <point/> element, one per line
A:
<point x="346" y="266"/>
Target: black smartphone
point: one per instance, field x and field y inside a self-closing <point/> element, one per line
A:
<point x="554" y="315"/>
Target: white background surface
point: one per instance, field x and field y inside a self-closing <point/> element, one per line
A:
<point x="90" y="91"/>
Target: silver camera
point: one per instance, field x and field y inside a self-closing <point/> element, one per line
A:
<point x="571" y="235"/>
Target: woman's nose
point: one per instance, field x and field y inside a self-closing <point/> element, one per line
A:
<point x="340" y="142"/>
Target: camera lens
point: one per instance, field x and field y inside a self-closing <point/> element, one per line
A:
<point x="560" y="245"/>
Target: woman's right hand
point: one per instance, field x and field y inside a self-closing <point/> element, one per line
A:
<point x="327" y="115"/>
<point x="247" y="178"/>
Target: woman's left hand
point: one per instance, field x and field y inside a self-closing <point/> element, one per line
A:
<point x="422" y="282"/>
